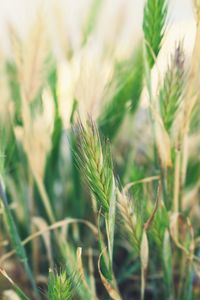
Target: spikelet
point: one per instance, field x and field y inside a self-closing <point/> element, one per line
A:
<point x="94" y="159"/>
<point x="130" y="224"/>
<point x="172" y="89"/>
<point x="60" y="286"/>
<point x="126" y="210"/>
<point x="183" y="118"/>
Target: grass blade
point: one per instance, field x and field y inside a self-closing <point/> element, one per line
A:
<point x="15" y="239"/>
<point x="18" y="291"/>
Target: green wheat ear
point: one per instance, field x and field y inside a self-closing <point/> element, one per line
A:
<point x="60" y="286"/>
<point x="172" y="89"/>
<point x="154" y="21"/>
<point x="94" y="158"/>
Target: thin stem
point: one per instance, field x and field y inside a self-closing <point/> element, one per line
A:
<point x="108" y="240"/>
<point x="177" y="181"/>
<point x="35" y="246"/>
<point x="51" y="216"/>
<point x="45" y="199"/>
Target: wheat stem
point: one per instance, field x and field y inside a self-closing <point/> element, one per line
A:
<point x="45" y="199"/>
<point x="177" y="181"/>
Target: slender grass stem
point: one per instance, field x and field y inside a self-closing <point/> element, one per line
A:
<point x="177" y="181"/>
<point x="45" y="199"/>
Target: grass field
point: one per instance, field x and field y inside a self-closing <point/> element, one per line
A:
<point x="100" y="165"/>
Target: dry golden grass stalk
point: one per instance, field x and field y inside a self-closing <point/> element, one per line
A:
<point x="36" y="50"/>
<point x="31" y="57"/>
<point x="59" y="224"/>
<point x="144" y="257"/>
<point x="162" y="140"/>
<point x="82" y="273"/>
<point x="35" y="135"/>
<point x="197" y="9"/>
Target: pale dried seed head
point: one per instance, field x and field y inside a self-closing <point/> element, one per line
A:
<point x="35" y="135"/>
<point x="94" y="75"/>
<point x="126" y="210"/>
<point x="66" y="78"/>
<point x="162" y="140"/>
<point x="35" y="56"/>
<point x="10" y="295"/>
<point x="30" y="57"/>
<point x="179" y="58"/>
<point x="16" y="48"/>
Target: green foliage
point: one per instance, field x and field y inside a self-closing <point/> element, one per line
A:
<point x="154" y="21"/>
<point x="130" y="229"/>
<point x="15" y="238"/>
